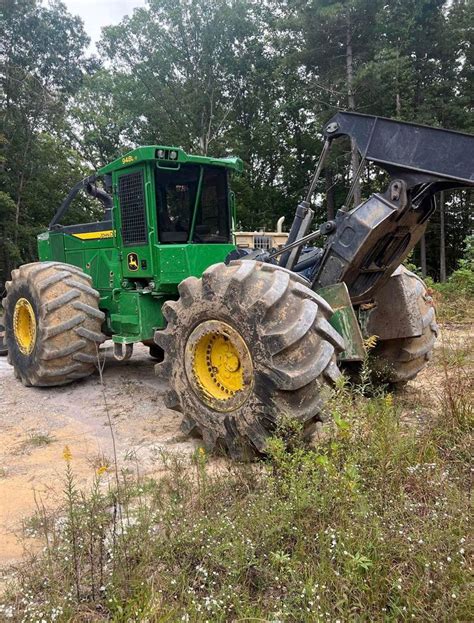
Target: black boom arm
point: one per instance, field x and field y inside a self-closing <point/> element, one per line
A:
<point x="367" y="243"/>
<point x="414" y="153"/>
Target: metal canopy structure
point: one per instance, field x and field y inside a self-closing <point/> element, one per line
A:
<point x="403" y="149"/>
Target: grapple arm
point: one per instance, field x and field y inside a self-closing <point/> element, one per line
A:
<point x="371" y="240"/>
<point x="417" y="154"/>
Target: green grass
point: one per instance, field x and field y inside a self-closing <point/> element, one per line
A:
<point x="370" y="525"/>
<point x="451" y="306"/>
<point x="454" y="298"/>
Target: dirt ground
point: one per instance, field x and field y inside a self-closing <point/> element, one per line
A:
<point x="36" y="425"/>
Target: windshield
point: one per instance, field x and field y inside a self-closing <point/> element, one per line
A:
<point x="176" y="192"/>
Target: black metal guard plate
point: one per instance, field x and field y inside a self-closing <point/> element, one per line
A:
<point x="401" y="147"/>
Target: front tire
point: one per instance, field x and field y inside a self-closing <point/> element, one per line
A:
<point x="156" y="352"/>
<point x="53" y="324"/>
<point x="396" y="361"/>
<point x="245" y="345"/>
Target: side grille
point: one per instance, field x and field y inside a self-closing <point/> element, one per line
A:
<point x="131" y="194"/>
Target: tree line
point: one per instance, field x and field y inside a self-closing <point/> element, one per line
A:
<point x="243" y="77"/>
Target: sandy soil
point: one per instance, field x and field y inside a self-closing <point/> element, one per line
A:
<point x="422" y="397"/>
<point x="36" y="425"/>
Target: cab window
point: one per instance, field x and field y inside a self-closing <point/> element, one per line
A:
<point x="212" y="218"/>
<point x="176" y="197"/>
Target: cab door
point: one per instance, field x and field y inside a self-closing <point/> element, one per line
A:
<point x="134" y="230"/>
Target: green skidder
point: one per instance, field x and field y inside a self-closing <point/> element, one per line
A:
<point x="242" y="337"/>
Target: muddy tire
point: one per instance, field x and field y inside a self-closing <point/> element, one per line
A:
<point x="156" y="353"/>
<point x="244" y="345"/>
<point x="396" y="361"/>
<point x="53" y="323"/>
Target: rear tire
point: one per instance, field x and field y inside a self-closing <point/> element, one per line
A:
<point x="246" y="344"/>
<point x="397" y="361"/>
<point x="53" y="324"/>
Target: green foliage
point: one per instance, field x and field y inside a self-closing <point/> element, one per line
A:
<point x="455" y="297"/>
<point x="247" y="78"/>
<point x="102" y="126"/>
<point x="468" y="257"/>
<point x="462" y="281"/>
<point x="9" y="252"/>
<point x="42" y="68"/>
<point x="371" y="524"/>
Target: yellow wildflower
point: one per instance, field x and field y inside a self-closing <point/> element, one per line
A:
<point x="389" y="401"/>
<point x="371" y="341"/>
<point x="67" y="455"/>
<point x="102" y="469"/>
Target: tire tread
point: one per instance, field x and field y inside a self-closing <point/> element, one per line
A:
<point x="69" y="322"/>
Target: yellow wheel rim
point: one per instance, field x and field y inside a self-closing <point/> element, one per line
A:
<point x="24" y="326"/>
<point x="219" y="365"/>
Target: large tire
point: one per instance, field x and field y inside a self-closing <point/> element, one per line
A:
<point x="278" y="339"/>
<point x="53" y="323"/>
<point x="156" y="353"/>
<point x="396" y="361"/>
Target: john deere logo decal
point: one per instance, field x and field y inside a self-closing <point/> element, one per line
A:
<point x="132" y="261"/>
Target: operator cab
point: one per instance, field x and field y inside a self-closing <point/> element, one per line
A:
<point x="167" y="215"/>
<point x="191" y="204"/>
<point x="190" y="200"/>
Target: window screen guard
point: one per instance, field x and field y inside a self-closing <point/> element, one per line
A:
<point x="131" y="194"/>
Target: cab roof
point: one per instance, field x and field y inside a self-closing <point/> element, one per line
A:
<point x="168" y="156"/>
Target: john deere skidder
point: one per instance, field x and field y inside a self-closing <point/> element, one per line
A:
<point x="241" y="340"/>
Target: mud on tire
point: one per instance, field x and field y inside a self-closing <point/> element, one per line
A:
<point x="397" y="361"/>
<point x="68" y="323"/>
<point x="290" y="342"/>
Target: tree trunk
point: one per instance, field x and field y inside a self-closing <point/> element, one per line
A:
<point x="423" y="255"/>
<point x="18" y="206"/>
<point x="351" y="104"/>
<point x="442" y="239"/>
<point x="398" y="100"/>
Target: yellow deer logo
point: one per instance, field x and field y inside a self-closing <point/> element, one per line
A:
<point x="132" y="261"/>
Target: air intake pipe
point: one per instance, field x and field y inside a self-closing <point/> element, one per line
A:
<point x="103" y="197"/>
<point x="87" y="184"/>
